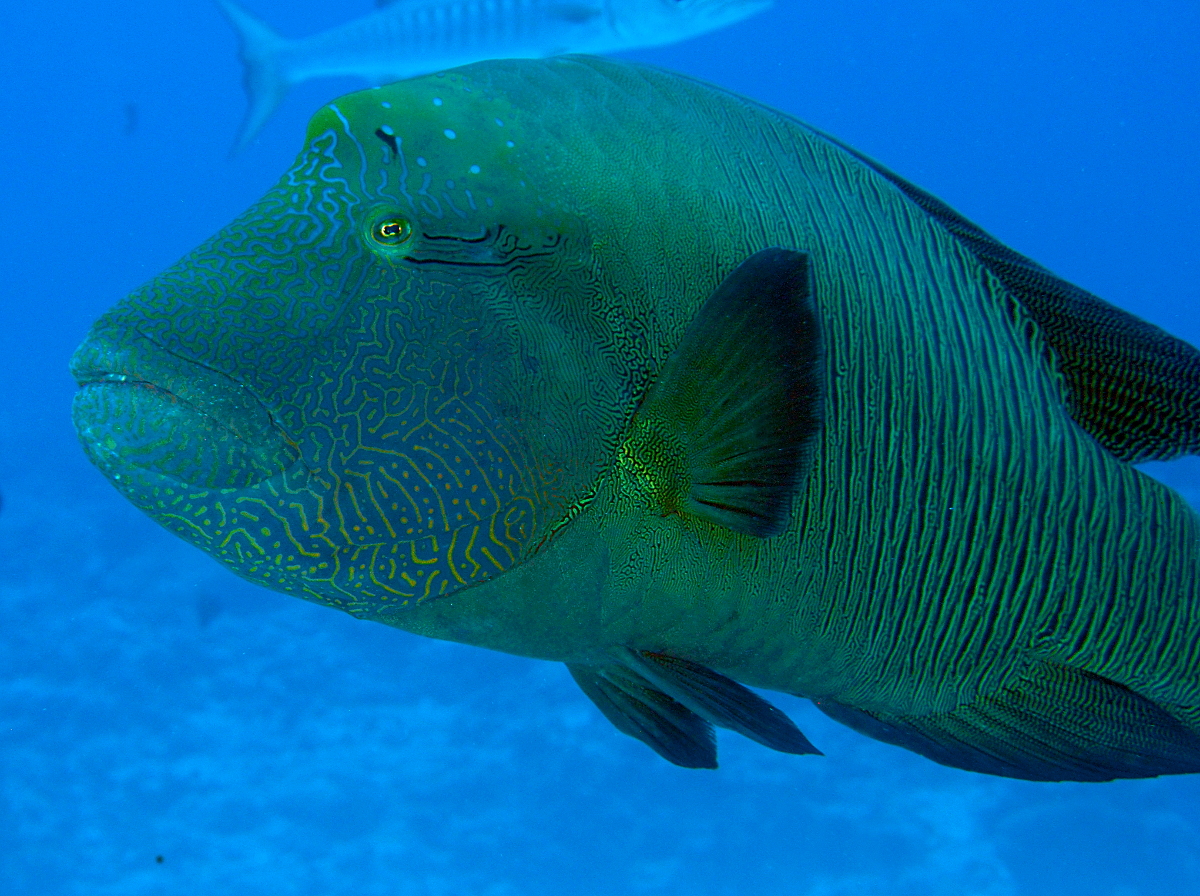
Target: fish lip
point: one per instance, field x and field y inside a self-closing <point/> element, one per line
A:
<point x="130" y="385"/>
<point x="96" y="362"/>
<point x="92" y="365"/>
<point x="100" y="379"/>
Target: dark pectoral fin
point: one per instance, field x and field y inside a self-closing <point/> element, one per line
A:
<point x="727" y="430"/>
<point x="722" y="701"/>
<point x="1057" y="724"/>
<point x="638" y="709"/>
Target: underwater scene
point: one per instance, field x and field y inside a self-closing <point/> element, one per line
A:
<point x="750" y="406"/>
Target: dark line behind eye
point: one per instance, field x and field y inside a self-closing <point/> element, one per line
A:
<point x="486" y="235"/>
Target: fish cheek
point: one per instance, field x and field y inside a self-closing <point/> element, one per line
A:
<point x="417" y="459"/>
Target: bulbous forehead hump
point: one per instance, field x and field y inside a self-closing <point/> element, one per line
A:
<point x="533" y="136"/>
<point x="444" y="145"/>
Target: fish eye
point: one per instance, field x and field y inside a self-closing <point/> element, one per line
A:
<point x="391" y="231"/>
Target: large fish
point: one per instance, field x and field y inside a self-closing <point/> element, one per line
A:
<point x="414" y="37"/>
<point x="591" y="362"/>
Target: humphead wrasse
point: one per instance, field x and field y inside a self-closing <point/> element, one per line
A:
<point x="590" y="362"/>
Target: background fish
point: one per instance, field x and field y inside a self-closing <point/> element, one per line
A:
<point x="672" y="388"/>
<point x="412" y="37"/>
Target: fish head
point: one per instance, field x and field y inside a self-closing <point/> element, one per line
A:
<point x="391" y="378"/>
<point x="665" y="21"/>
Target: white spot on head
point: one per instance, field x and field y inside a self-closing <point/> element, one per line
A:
<point x="450" y="135"/>
<point x="421" y="161"/>
<point x="474" y="169"/>
<point x="385" y="104"/>
<point x="437" y="100"/>
<point x="499" y="123"/>
<point x="510" y="144"/>
<point x="387" y="129"/>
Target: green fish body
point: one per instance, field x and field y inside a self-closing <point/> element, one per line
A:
<point x="590" y="362"/>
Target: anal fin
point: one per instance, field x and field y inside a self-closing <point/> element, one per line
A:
<point x="1058" y="723"/>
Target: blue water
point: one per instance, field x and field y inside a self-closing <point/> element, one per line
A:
<point x="153" y="706"/>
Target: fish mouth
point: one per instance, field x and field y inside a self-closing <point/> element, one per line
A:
<point x="142" y="410"/>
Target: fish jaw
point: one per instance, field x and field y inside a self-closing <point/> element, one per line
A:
<point x="142" y="411"/>
<point x="201" y="455"/>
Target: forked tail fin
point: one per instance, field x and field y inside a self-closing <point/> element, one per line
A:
<point x="266" y="82"/>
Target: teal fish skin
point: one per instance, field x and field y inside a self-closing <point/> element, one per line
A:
<point x="439" y="379"/>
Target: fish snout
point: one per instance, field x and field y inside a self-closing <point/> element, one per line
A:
<point x="142" y="412"/>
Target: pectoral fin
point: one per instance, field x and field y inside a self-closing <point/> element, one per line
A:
<point x="671" y="705"/>
<point x="1057" y="723"/>
<point x="726" y="432"/>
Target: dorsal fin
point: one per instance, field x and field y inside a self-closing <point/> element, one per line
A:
<point x="1134" y="387"/>
<point x="726" y="431"/>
